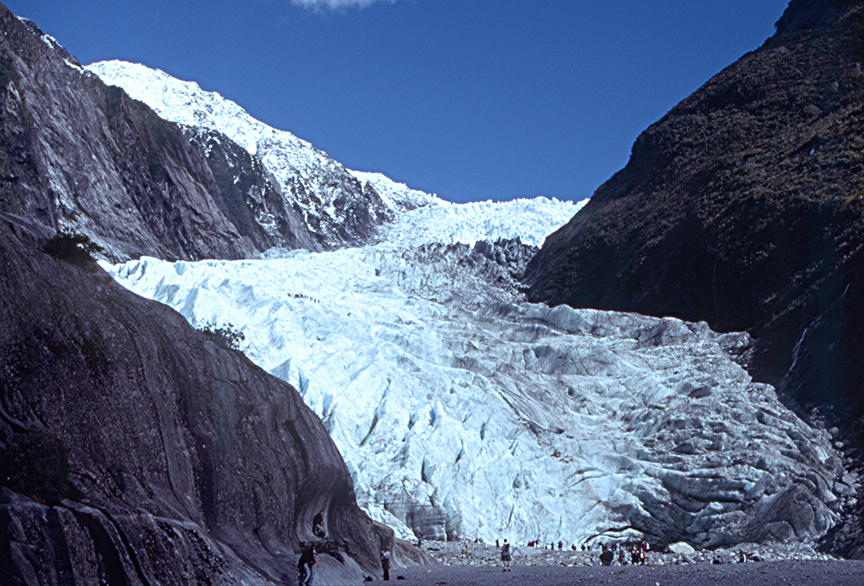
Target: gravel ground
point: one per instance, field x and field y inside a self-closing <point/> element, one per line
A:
<point x="476" y="565"/>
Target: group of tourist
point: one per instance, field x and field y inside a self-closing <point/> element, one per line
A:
<point x="633" y="554"/>
<point x="625" y="554"/>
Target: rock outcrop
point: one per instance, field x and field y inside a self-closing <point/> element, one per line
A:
<point x="134" y="450"/>
<point x="77" y="154"/>
<point x="336" y="206"/>
<point x="744" y="207"/>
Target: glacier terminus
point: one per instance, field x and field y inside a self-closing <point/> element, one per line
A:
<point x="462" y="410"/>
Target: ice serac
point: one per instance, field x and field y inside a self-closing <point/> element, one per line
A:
<point x="135" y="451"/>
<point x="337" y="207"/>
<point x="463" y="411"/>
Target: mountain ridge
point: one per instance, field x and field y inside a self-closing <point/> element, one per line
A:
<point x="742" y="207"/>
<point x="157" y="196"/>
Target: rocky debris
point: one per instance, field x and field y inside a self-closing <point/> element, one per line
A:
<point x="476" y="554"/>
<point x="158" y="457"/>
<point x="809" y="572"/>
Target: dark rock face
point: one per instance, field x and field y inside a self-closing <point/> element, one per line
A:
<point x="80" y="155"/>
<point x="744" y="207"/>
<point x="811" y="14"/>
<point x="76" y="153"/>
<point x="336" y="207"/>
<point x="250" y="197"/>
<point x="159" y="458"/>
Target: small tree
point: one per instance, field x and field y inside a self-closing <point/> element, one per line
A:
<point x="226" y="335"/>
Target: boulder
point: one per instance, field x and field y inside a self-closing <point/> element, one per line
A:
<point x="682" y="548"/>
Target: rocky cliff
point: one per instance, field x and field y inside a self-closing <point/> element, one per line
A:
<point x="79" y="155"/>
<point x="137" y="451"/>
<point x="744" y="207"/>
<point x="335" y="204"/>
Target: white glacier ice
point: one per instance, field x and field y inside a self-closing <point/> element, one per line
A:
<point x="463" y="411"/>
<point x="530" y="220"/>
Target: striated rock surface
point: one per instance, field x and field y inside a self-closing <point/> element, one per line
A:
<point x="266" y="218"/>
<point x="80" y="155"/>
<point x="337" y="206"/>
<point x="136" y="451"/>
<point x="744" y="207"/>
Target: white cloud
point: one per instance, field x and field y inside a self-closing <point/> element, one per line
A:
<point x="337" y="4"/>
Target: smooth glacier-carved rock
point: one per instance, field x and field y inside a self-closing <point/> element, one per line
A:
<point x="187" y="463"/>
<point x="337" y="207"/>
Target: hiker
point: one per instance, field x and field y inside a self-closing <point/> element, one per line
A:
<point x="505" y="556"/>
<point x="318" y="525"/>
<point x="306" y="566"/>
<point x="385" y="563"/>
<point x="419" y="539"/>
<point x="607" y="556"/>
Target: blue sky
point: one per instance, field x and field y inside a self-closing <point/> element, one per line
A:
<point x="472" y="100"/>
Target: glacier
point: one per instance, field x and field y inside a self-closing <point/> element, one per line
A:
<point x="463" y="411"/>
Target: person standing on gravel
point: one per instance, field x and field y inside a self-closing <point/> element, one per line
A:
<point x="607" y="556"/>
<point x="505" y="556"/>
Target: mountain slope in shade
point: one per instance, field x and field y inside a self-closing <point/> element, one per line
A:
<point x="743" y="207"/>
<point x="136" y="451"/>
<point x="339" y="206"/>
<point x="81" y="156"/>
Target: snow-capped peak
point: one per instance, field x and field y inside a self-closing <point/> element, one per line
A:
<point x="417" y="217"/>
<point x="185" y="102"/>
<point x="396" y="195"/>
